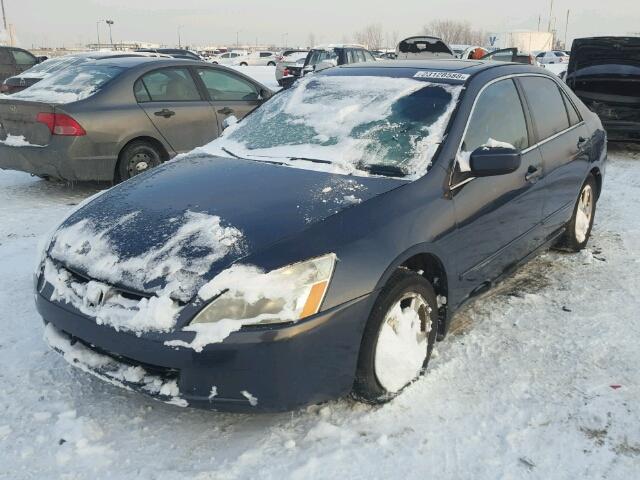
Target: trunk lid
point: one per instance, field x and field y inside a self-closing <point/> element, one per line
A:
<point x="19" y="119"/>
<point x="605" y="73"/>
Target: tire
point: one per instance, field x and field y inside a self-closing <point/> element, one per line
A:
<point x="137" y="157"/>
<point x="243" y="64"/>
<point x="214" y="63"/>
<point x="271" y="64"/>
<point x="381" y="373"/>
<point x="578" y="230"/>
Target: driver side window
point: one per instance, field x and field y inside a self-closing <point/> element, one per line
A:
<point x="497" y="120"/>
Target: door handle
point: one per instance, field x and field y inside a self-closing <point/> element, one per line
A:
<point x="533" y="173"/>
<point x="165" y="113"/>
<point x="225" y="111"/>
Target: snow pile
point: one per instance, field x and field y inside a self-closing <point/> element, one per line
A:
<point x="342" y="120"/>
<point x="182" y="259"/>
<point x="111" y="371"/>
<point x="17" y="141"/>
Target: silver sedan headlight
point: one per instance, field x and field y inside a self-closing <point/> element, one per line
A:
<point x="252" y="297"/>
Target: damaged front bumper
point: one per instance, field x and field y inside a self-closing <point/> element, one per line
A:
<point x="267" y="369"/>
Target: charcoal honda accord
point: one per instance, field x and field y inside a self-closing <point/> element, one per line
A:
<point x="320" y="246"/>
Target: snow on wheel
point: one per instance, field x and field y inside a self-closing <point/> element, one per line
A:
<point x="579" y="228"/>
<point x="398" y="337"/>
<point x="402" y="342"/>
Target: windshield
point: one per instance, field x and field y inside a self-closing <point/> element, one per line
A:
<point x="52" y="65"/>
<point x="70" y="85"/>
<point x="347" y="124"/>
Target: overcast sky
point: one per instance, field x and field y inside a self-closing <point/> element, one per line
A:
<point x="73" y="22"/>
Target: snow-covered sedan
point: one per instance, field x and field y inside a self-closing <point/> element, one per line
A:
<point x="322" y="244"/>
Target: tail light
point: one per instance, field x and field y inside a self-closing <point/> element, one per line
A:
<point x="4" y="88"/>
<point x="286" y="72"/>
<point x="61" y="124"/>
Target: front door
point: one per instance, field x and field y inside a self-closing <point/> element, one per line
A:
<point x="497" y="217"/>
<point x="172" y="101"/>
<point x="229" y="93"/>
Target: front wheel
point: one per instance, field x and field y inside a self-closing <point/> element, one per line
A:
<point x="243" y="64"/>
<point x="271" y="64"/>
<point x="398" y="338"/>
<point x="579" y="228"/>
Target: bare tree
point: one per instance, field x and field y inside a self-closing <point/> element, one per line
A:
<point x="455" y="32"/>
<point x="370" y="36"/>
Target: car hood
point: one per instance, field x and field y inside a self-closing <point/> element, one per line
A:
<point x="179" y="225"/>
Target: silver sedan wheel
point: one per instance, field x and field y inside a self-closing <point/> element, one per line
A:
<point x="402" y="343"/>
<point x="584" y="213"/>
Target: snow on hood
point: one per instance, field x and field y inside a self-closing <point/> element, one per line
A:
<point x="182" y="255"/>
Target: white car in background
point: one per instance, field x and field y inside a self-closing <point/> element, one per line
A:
<point x="227" y="58"/>
<point x="553" y="56"/>
<point x="257" y="59"/>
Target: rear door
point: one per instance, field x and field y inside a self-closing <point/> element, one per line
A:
<point x="171" y="99"/>
<point x="562" y="138"/>
<point x="497" y="217"/>
<point x="229" y="93"/>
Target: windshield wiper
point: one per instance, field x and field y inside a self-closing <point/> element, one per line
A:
<point x="384" y="169"/>
<point x="314" y="160"/>
<point x="229" y="152"/>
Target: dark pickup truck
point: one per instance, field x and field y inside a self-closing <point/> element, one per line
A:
<point x="604" y="72"/>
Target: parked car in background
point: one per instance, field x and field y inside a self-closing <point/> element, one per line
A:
<point x="226" y="58"/>
<point x="110" y="119"/>
<point x="423" y="48"/>
<point x="370" y="243"/>
<point x="257" y="59"/>
<point x="15" y="60"/>
<point x="49" y="67"/>
<point x="327" y="56"/>
<point x="554" y="56"/>
<point x="173" y="52"/>
<point x="289" y="63"/>
<point x="604" y="72"/>
<point x="510" y="55"/>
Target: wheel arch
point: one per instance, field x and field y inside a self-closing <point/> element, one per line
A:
<point x="431" y="263"/>
<point x="595" y="171"/>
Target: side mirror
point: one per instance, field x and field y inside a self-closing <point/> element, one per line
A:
<point x="230" y="120"/>
<point x="265" y="94"/>
<point x="308" y="69"/>
<point x="491" y="161"/>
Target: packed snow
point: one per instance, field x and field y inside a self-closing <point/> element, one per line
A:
<point x="538" y="379"/>
<point x="17" y="141"/>
<point x="340" y="121"/>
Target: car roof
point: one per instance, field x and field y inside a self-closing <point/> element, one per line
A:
<point x="338" y="45"/>
<point x="385" y="68"/>
<point x="134" y="61"/>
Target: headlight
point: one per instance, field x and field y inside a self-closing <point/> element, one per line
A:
<point x="253" y="297"/>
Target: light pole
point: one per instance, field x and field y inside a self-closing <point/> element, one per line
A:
<point x="237" y="38"/>
<point x="179" y="38"/>
<point x="4" y="16"/>
<point x="110" y="22"/>
<point x="98" y="31"/>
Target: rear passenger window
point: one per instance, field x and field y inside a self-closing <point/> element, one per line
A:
<point x="546" y="105"/>
<point x="140" y="92"/>
<point x="170" y="85"/>
<point x="574" y="116"/>
<point x="497" y="116"/>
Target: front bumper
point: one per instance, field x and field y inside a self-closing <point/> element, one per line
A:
<point x="283" y="367"/>
<point x="60" y="159"/>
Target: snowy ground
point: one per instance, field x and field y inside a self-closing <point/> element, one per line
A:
<point x="264" y="75"/>
<point x="539" y="380"/>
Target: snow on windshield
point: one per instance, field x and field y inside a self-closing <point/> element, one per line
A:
<point x="354" y="122"/>
<point x="69" y="85"/>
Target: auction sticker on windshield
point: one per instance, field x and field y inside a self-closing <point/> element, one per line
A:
<point x="442" y="75"/>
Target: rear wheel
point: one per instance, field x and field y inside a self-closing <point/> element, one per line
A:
<point x="243" y="64"/>
<point x="578" y="231"/>
<point x="271" y="64"/>
<point x="135" y="158"/>
<point x="398" y="338"/>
